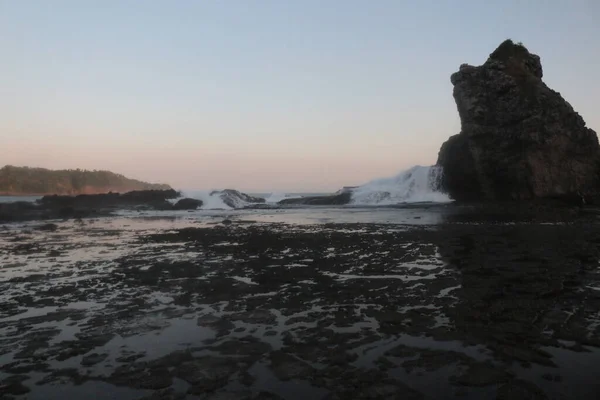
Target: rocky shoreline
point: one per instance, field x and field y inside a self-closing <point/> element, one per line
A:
<point x="85" y="206"/>
<point x="163" y="308"/>
<point x="105" y="205"/>
<point x="99" y="205"/>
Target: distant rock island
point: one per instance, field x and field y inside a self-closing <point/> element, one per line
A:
<point x="23" y="181"/>
<point x="520" y="140"/>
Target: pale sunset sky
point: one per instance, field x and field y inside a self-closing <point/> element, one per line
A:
<point x="262" y="95"/>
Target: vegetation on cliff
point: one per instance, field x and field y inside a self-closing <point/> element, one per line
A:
<point x="41" y="181"/>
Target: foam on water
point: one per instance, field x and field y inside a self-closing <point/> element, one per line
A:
<point x="417" y="184"/>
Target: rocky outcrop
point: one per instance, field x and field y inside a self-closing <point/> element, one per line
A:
<point x="81" y="206"/>
<point x="110" y="200"/>
<point x="17" y="210"/>
<point x="148" y="196"/>
<point x="341" y="198"/>
<point x="520" y="139"/>
<point x="187" y="204"/>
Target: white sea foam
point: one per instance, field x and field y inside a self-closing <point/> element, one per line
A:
<point x="221" y="199"/>
<point x="417" y="184"/>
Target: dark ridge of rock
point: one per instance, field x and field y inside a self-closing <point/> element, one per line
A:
<point x="82" y="200"/>
<point x="85" y="205"/>
<point x="520" y="140"/>
<point x="11" y="211"/>
<point x="163" y="205"/>
<point x="47" y="227"/>
<point x="93" y="359"/>
<point x="236" y="199"/>
<point x="137" y="197"/>
<point x="148" y="196"/>
<point x="332" y="200"/>
<point x="188" y="204"/>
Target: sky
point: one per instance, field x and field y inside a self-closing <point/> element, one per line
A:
<point x="264" y="95"/>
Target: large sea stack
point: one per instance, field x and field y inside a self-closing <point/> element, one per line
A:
<point x="520" y="140"/>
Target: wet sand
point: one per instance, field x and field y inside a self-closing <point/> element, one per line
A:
<point x="297" y="304"/>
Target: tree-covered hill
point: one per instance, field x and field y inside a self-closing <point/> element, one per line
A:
<point x="41" y="181"/>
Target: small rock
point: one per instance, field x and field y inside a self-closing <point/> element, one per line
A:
<point x="13" y="386"/>
<point x="482" y="375"/>
<point x="129" y="358"/>
<point x="47" y="227"/>
<point x="207" y="373"/>
<point x="93" y="359"/>
<point x="552" y="377"/>
<point x="214" y="322"/>
<point x="520" y="390"/>
<point x="257" y="316"/>
<point x="286" y="366"/>
<point x="247" y="346"/>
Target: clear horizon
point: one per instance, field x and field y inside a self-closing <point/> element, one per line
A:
<point x="274" y="96"/>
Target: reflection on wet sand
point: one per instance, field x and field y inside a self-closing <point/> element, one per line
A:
<point x="186" y="307"/>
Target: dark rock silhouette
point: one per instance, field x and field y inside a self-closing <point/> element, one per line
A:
<point x="136" y="197"/>
<point x="12" y="211"/>
<point x="520" y="139"/>
<point x="47" y="227"/>
<point x="86" y="205"/>
<point x="148" y="196"/>
<point x="341" y="198"/>
<point x="187" y="204"/>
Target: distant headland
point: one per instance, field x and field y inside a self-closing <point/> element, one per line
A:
<point x="26" y="181"/>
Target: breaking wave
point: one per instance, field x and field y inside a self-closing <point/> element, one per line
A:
<point x="417" y="184"/>
<point x="226" y="199"/>
<point x="276" y="197"/>
<point x="210" y="200"/>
